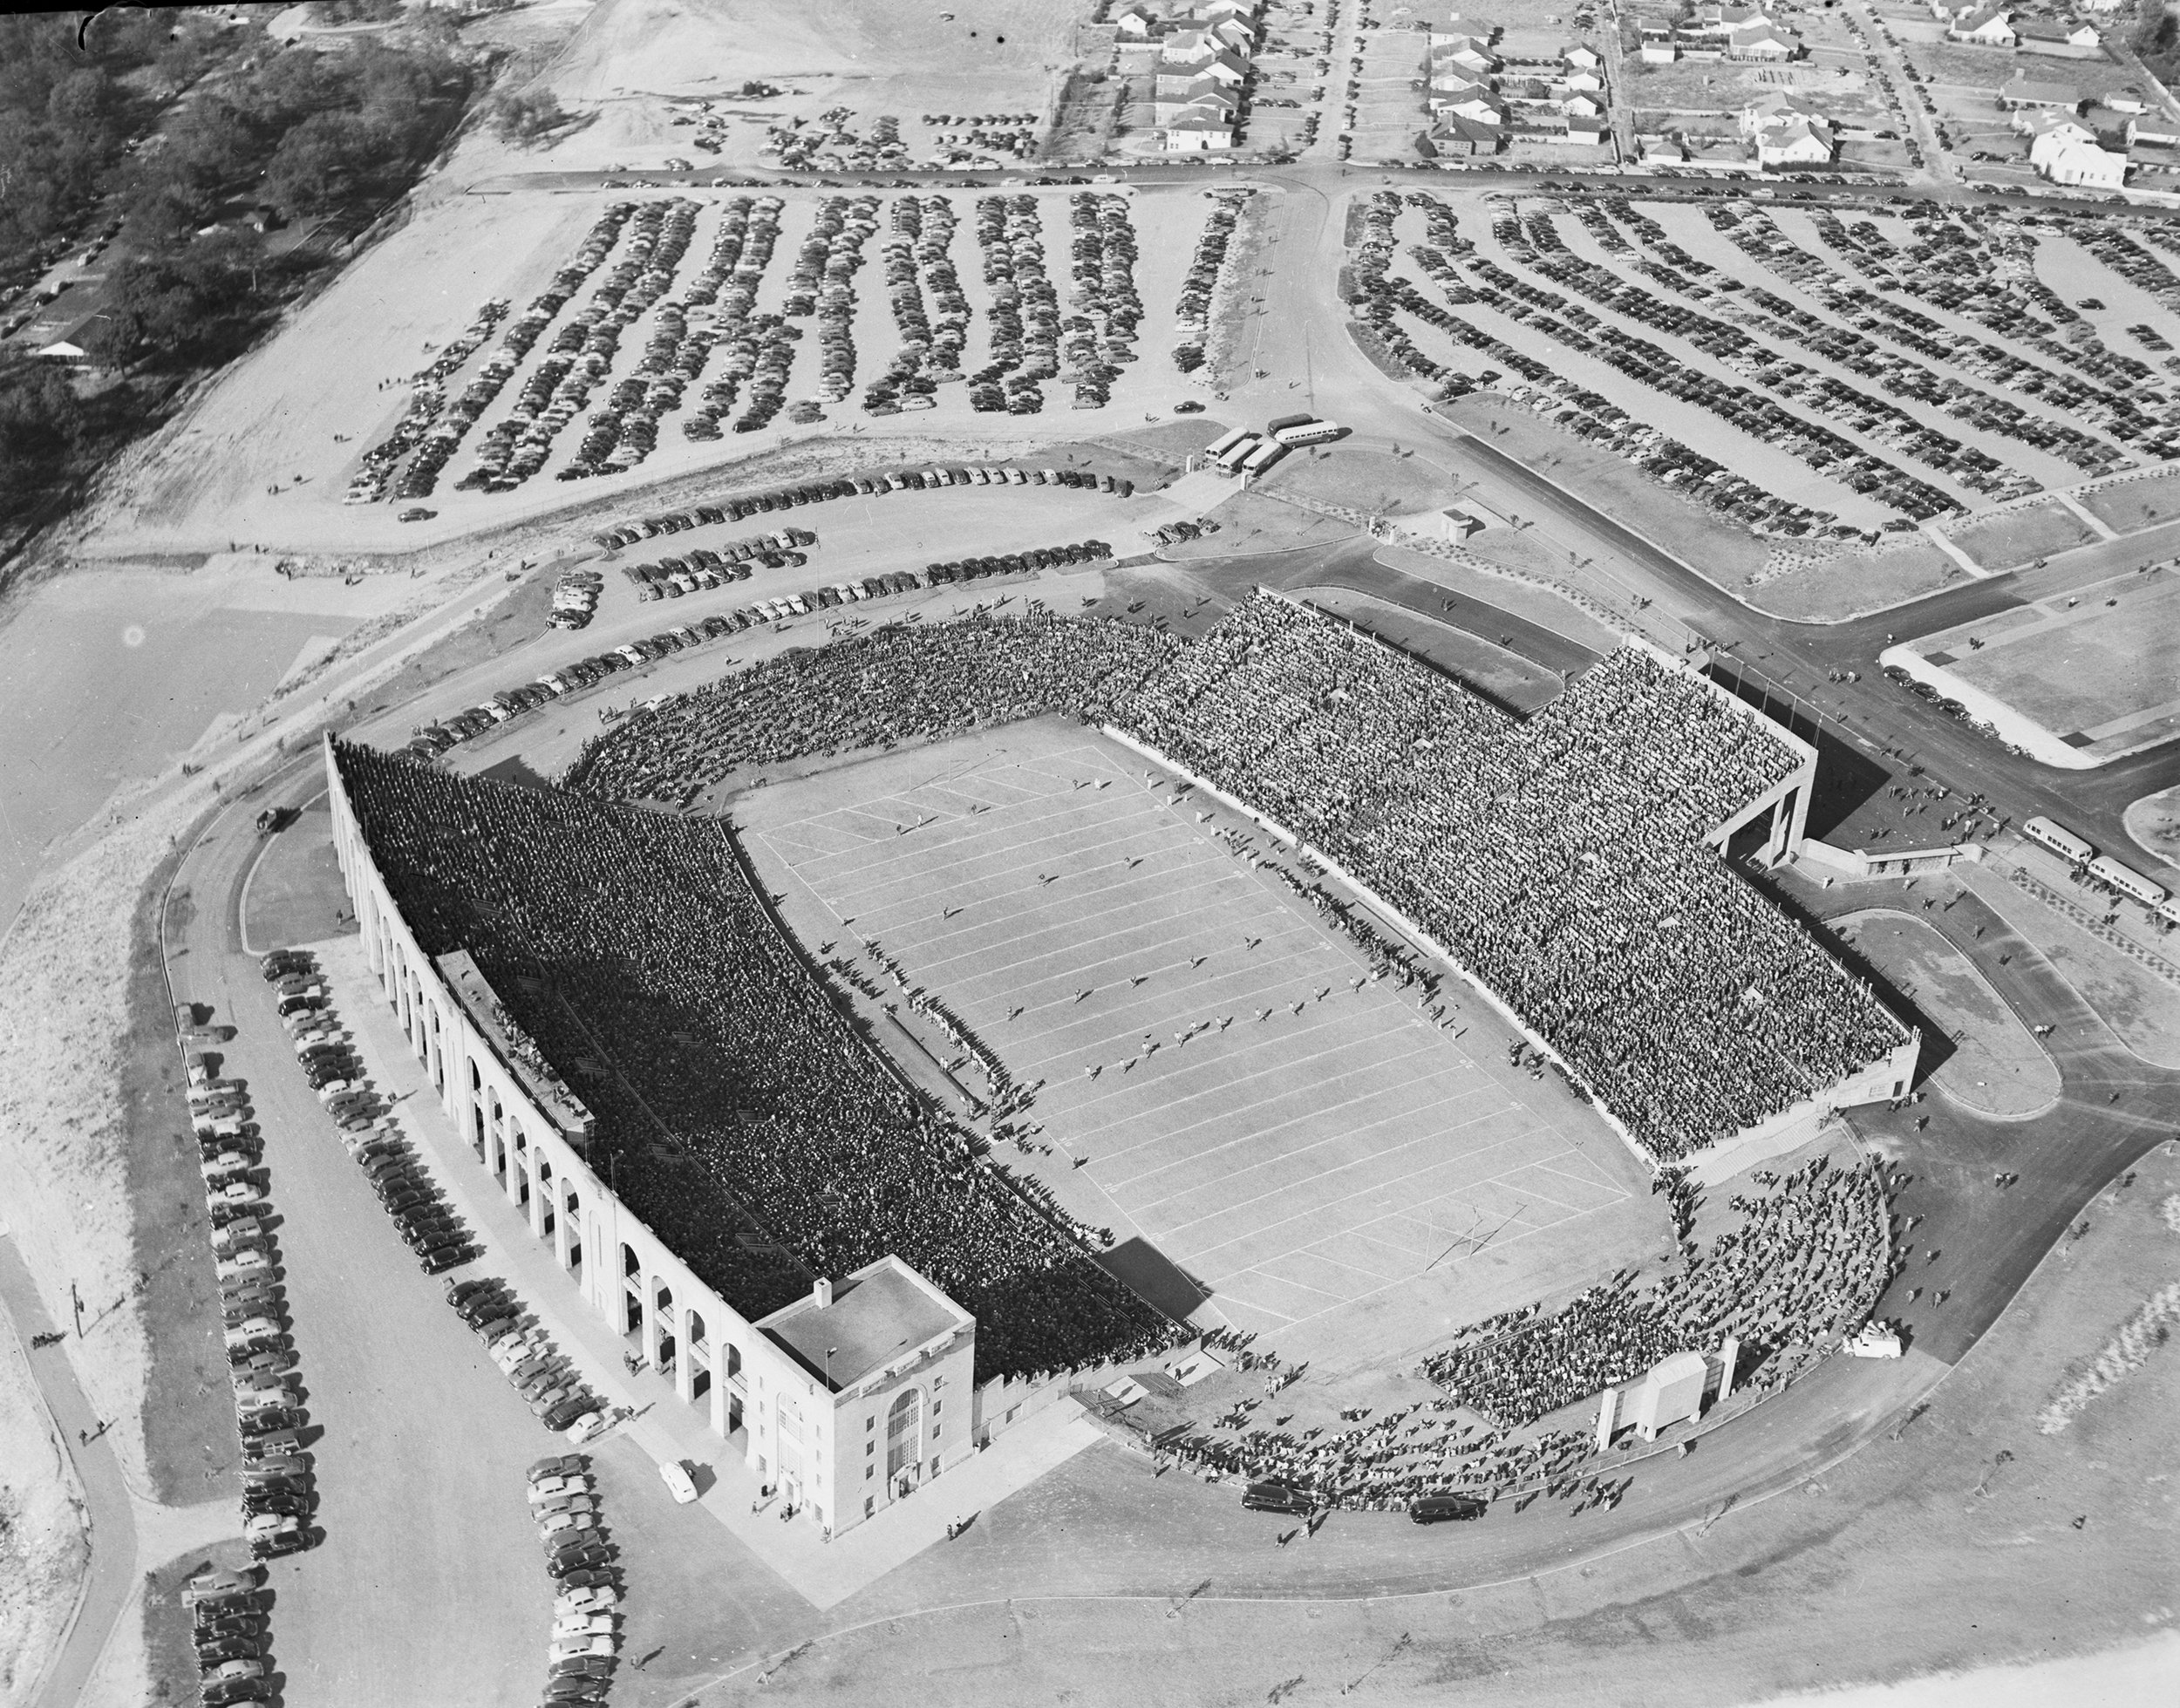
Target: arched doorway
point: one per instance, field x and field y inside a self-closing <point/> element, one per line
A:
<point x="631" y="1293"/>
<point x="904" y="1441"/>
<point x="699" y="1354"/>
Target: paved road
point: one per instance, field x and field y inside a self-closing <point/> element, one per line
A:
<point x="110" y="1513"/>
<point x="419" y="1445"/>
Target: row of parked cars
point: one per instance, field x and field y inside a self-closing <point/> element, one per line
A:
<point x="230" y="1619"/>
<point x="549" y="1382"/>
<point x="1016" y="563"/>
<point x="428" y="1225"/>
<point x="858" y="486"/>
<point x="671" y="578"/>
<point x="269" y="1415"/>
<point x="575" y="600"/>
<point x="586" y="1638"/>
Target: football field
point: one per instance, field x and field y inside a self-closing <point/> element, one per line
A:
<point x="1219" y="1073"/>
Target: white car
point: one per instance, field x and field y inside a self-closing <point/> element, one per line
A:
<point x="251" y="1330"/>
<point x="581" y="1624"/>
<point x="591" y="1598"/>
<point x="588" y="1427"/>
<point x="679" y="1481"/>
<point x="240" y="1669"/>
<point x="252" y="1260"/>
<point x="1876" y="1340"/>
<point x="568" y="1648"/>
<point x="235" y="1192"/>
<point x="270" y="1524"/>
<point x="259" y="1399"/>
<point x="551" y="1524"/>
<point x="551" y="1488"/>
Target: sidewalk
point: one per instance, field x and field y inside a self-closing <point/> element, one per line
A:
<point x="823" y="1574"/>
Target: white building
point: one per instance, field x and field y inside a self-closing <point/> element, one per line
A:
<point x="2064" y="159"/>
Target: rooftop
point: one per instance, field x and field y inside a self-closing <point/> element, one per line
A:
<point x="554" y="1099"/>
<point x="880" y="1315"/>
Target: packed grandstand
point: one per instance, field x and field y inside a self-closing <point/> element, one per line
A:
<point x="726" y="1081"/>
<point x="1561" y="858"/>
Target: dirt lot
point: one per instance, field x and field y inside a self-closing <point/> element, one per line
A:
<point x="871" y="57"/>
<point x="1831" y="587"/>
<point x="314" y="400"/>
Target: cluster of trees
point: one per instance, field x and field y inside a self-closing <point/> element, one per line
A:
<point x="65" y="115"/>
<point x="299" y="131"/>
<point x="2156" y="40"/>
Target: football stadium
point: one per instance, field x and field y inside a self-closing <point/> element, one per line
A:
<point x="1134" y="914"/>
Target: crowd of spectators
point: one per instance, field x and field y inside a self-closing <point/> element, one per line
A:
<point x="897" y="684"/>
<point x="1561" y="859"/>
<point x="738" y="1110"/>
<point x="1803" y="1268"/>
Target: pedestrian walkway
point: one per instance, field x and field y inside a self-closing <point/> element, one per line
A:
<point x="824" y="1573"/>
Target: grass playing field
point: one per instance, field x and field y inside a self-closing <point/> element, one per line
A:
<point x="1220" y="1076"/>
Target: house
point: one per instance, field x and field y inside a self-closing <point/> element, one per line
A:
<point x="1481" y="108"/>
<point x="1187" y="47"/>
<point x="1456" y="135"/>
<point x="1724" y="20"/>
<point x="1762" y="42"/>
<point x="1468" y="58"/>
<point x="2019" y="92"/>
<point x="2158" y="130"/>
<point x="1458" y="85"/>
<point x="2036" y="124"/>
<point x="1135" y="23"/>
<point x="1581" y="106"/>
<point x="1795" y="140"/>
<point x="1658" y="53"/>
<point x="1586" y="128"/>
<point x="2125" y="99"/>
<point x="1580" y="58"/>
<point x="1775" y="106"/>
<point x="2041" y="35"/>
<point x="1243" y="10"/>
<point x="2107" y="129"/>
<point x="1229" y="70"/>
<point x="1194" y="98"/>
<point x="1238" y="37"/>
<point x="1991" y="28"/>
<point x="60" y="352"/>
<point x="2064" y="161"/>
<point x="1588" y="82"/>
<point x="1196" y="136"/>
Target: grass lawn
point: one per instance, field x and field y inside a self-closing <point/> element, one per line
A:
<point x="1219" y="1074"/>
<point x="2014" y="537"/>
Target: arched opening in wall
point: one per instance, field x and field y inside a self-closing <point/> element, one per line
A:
<point x="699" y="1355"/>
<point x="545" y="1190"/>
<point x="632" y="1293"/>
<point x="734" y="1387"/>
<point x="521" y="1170"/>
<point x="904" y="1436"/>
<point x="496" y="1150"/>
<point x="663" y="1321"/>
<point x="572" y="1208"/>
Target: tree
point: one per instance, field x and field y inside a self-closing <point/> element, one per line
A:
<point x="526" y="115"/>
<point x="317" y="159"/>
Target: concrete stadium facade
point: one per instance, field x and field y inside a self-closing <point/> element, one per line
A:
<point x="845" y="1401"/>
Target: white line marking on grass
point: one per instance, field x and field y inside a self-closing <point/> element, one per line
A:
<point x="1466" y="1190"/>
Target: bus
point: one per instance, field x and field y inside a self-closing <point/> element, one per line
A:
<point x="2127" y="881"/>
<point x="1229" y="460"/>
<point x="1219" y="446"/>
<point x="2060" y="841"/>
<point x="1267" y="452"/>
<point x="1307" y="433"/>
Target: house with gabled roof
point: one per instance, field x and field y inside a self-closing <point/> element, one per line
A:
<point x="1992" y="27"/>
<point x="2019" y="92"/>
